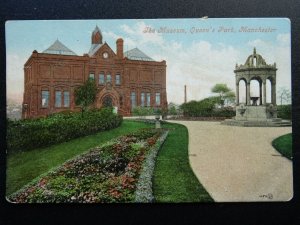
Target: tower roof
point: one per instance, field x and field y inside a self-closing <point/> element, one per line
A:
<point x="255" y="62"/>
<point x="59" y="48"/>
<point x="97" y="30"/>
<point x="260" y="61"/>
<point x="136" y="54"/>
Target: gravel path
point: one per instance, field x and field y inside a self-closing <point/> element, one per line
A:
<point x="239" y="163"/>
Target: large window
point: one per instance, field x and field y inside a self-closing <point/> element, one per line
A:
<point x="118" y="79"/>
<point x="57" y="98"/>
<point x="157" y="98"/>
<point x="92" y="76"/>
<point x="142" y="99"/>
<point x="66" y="99"/>
<point x="101" y="78"/>
<point x="133" y="99"/>
<point x="148" y="99"/>
<point x="45" y="99"/>
<point x="108" y="78"/>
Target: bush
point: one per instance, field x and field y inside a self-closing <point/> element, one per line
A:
<point x="203" y="108"/>
<point x="223" y="112"/>
<point x="143" y="111"/>
<point x="34" y="133"/>
<point x="284" y="112"/>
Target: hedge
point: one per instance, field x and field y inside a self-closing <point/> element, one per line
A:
<point x="34" y="133"/>
<point x="284" y="112"/>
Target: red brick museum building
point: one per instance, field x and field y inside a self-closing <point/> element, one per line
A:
<point x="124" y="79"/>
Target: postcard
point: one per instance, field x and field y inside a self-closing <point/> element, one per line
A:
<point x="149" y="110"/>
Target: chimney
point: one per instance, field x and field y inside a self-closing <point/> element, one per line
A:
<point x="120" y="54"/>
<point x="184" y="93"/>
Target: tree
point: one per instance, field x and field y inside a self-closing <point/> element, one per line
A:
<point x="284" y="95"/>
<point x="225" y="93"/>
<point x="85" y="95"/>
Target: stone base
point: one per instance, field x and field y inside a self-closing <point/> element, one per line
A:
<point x="255" y="113"/>
<point x="277" y="122"/>
<point x="256" y="116"/>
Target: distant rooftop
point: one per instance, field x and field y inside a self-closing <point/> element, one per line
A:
<point x="59" y="48"/>
<point x="136" y="54"/>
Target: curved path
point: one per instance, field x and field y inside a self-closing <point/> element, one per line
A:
<point x="239" y="163"/>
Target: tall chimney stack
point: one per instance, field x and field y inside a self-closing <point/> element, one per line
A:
<point x="184" y="93"/>
<point x="120" y="54"/>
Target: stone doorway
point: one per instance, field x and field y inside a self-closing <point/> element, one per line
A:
<point x="107" y="101"/>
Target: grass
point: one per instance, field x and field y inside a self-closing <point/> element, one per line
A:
<point x="174" y="180"/>
<point x="22" y="167"/>
<point x="283" y="144"/>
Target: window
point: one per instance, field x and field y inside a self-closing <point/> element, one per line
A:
<point x="157" y="98"/>
<point x="66" y="99"/>
<point x="45" y="99"/>
<point x="92" y="76"/>
<point x="57" y="98"/>
<point x="133" y="100"/>
<point x="108" y="78"/>
<point x="148" y="99"/>
<point x="101" y="78"/>
<point x="118" y="79"/>
<point x="142" y="99"/>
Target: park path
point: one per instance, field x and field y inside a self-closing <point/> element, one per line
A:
<point x="239" y="163"/>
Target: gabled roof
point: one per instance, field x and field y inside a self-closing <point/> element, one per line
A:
<point x="94" y="48"/>
<point x="136" y="54"/>
<point x="59" y="48"/>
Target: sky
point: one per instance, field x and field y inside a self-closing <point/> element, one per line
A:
<point x="199" y="52"/>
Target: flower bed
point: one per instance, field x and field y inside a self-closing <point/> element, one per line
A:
<point x="109" y="173"/>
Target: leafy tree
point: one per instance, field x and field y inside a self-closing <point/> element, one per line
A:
<point x="85" y="95"/>
<point x="225" y="93"/>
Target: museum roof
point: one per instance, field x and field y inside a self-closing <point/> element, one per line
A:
<point x="136" y="54"/>
<point x="59" y="48"/>
<point x="94" y="48"/>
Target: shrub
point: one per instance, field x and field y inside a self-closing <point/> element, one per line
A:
<point x="223" y="112"/>
<point x="142" y="111"/>
<point x="204" y="107"/>
<point x="284" y="112"/>
<point x="34" y="133"/>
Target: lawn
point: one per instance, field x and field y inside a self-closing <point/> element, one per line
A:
<point x="174" y="180"/>
<point x="22" y="167"/>
<point x="283" y="144"/>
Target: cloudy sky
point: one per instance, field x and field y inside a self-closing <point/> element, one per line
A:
<point x="199" y="52"/>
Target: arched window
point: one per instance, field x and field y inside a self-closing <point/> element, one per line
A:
<point x="62" y="98"/>
<point x="142" y="99"/>
<point x="157" y="98"/>
<point x="101" y="78"/>
<point x="133" y="99"/>
<point x="148" y="99"/>
<point x="118" y="79"/>
<point x="45" y="98"/>
<point x="108" y="77"/>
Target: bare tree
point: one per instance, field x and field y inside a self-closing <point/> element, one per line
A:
<point x="284" y="95"/>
